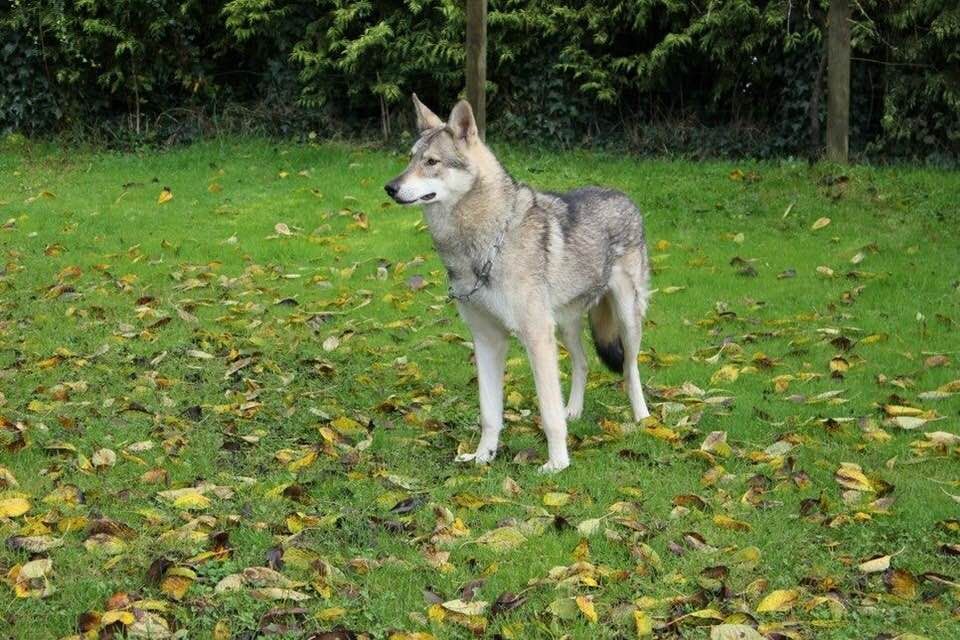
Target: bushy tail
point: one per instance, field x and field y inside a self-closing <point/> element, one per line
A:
<point x="606" y="334"/>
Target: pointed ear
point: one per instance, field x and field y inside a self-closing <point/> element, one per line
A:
<point x="462" y="122"/>
<point x="426" y="119"/>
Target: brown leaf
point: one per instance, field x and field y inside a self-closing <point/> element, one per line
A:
<point x="901" y="583"/>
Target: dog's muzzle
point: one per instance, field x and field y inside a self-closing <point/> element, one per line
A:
<point x="392" y="190"/>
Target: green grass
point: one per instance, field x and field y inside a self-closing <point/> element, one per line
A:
<point x="112" y="294"/>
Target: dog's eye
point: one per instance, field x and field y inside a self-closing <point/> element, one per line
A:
<point x="432" y="162"/>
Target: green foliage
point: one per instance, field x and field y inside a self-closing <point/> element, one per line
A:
<point x="658" y="74"/>
<point x="921" y="105"/>
<point x="26" y="100"/>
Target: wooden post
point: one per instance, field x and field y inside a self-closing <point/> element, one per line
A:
<point x="838" y="80"/>
<point x="477" y="62"/>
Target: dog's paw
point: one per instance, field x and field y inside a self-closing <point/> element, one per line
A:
<point x="574" y="413"/>
<point x="485" y="455"/>
<point x="553" y="466"/>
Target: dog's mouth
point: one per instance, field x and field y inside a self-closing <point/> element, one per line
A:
<point x="427" y="198"/>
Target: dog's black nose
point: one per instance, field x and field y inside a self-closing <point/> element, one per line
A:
<point x="390" y="188"/>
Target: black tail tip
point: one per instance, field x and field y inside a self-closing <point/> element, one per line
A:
<point x="611" y="354"/>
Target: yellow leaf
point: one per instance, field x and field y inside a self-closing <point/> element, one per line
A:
<point x="779" y="600"/>
<point x="661" y="432"/>
<point x="125" y="618"/>
<point x="192" y="501"/>
<point x="727" y="522"/>
<point x="165" y="196"/>
<point x="716" y="443"/>
<point x="436" y="613"/>
<point x="13" y="507"/>
<point x="643" y="623"/>
<point x="782" y="383"/>
<point x="726" y="373"/>
<point x="303" y="462"/>
<point x="747" y="558"/>
<point x="7" y="479"/>
<point x="331" y="614"/>
<point x="820" y="223"/>
<point x="188" y="498"/>
<point x="502" y="538"/>
<point x="215" y="187"/>
<point x="951" y="387"/>
<point x="586" y="608"/>
<point x="851" y="476"/>
<point x="707" y="614"/>
<point x="555" y="499"/>
<point x="900" y="410"/>
<point x="222" y="630"/>
<point x="839" y="365"/>
<point x="177" y="581"/>
<point x="581" y="553"/>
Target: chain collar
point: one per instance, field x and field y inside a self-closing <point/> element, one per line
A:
<point x="482" y="274"/>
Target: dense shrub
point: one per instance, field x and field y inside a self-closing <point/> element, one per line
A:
<point x="725" y="77"/>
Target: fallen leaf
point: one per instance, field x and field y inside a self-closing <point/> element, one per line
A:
<point x="642" y="623"/>
<point x="177" y="582"/>
<point x="851" y="476"/>
<point x="502" y="539"/>
<point x="474" y="608"/>
<point x="586" y="607"/>
<point x="779" y="600"/>
<point x="589" y="527"/>
<point x="726" y="373"/>
<point x="901" y="583"/>
<point x="734" y="632"/>
<point x="276" y="593"/>
<point x="13" y="507"/>
<point x="554" y="499"/>
<point x="727" y="522"/>
<point x="875" y="565"/>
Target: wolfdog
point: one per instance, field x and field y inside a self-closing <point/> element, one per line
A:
<point x="526" y="262"/>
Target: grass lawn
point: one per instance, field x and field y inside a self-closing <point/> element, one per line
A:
<point x="264" y="371"/>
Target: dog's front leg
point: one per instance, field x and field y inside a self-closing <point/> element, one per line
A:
<point x="541" y="345"/>
<point x="490" y="350"/>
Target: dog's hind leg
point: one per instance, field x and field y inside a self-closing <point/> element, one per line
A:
<point x="490" y="350"/>
<point x="629" y="293"/>
<point x="570" y="332"/>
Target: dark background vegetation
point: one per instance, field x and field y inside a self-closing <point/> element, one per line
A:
<point x="705" y="78"/>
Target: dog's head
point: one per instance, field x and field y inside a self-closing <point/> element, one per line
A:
<point x="442" y="162"/>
